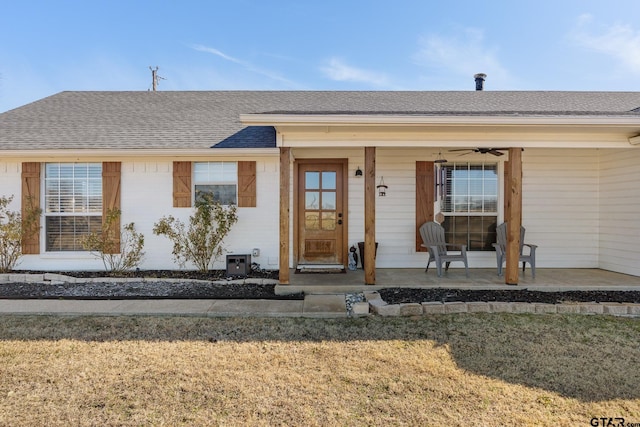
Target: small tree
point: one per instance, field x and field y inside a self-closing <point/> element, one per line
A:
<point x="10" y="235"/>
<point x="13" y="229"/>
<point x="201" y="241"/>
<point x="119" y="253"/>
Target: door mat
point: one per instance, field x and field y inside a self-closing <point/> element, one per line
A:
<point x="320" y="269"/>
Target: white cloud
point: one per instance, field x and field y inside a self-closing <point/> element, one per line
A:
<point x="621" y="42"/>
<point x="337" y="70"/>
<point x="464" y="55"/>
<point x="215" y="51"/>
<point x="245" y="64"/>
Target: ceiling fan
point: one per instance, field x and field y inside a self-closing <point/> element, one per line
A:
<point x="482" y="150"/>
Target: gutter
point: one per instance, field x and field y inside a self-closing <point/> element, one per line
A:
<point x="142" y="153"/>
<point x="454" y="120"/>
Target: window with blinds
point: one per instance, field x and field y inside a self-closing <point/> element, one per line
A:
<point x="72" y="203"/>
<point x="219" y="179"/>
<point x="470" y="204"/>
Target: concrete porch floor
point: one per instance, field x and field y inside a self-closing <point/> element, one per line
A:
<point x="547" y="279"/>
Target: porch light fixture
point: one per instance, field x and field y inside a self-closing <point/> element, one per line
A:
<point x="440" y="159"/>
<point x="382" y="189"/>
<point x="358" y="172"/>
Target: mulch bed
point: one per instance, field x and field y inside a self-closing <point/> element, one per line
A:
<point x="404" y="295"/>
<point x="187" y="289"/>
<point x="142" y="290"/>
<point x="205" y="288"/>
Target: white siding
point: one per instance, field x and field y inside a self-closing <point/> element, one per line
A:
<point x="620" y="211"/>
<point x="560" y="206"/>
<point x="395" y="213"/>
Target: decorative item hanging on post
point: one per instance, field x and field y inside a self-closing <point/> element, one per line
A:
<point x="382" y="189"/>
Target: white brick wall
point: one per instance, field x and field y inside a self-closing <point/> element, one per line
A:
<point x="146" y="195"/>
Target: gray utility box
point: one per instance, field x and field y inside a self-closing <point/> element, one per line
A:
<point x="238" y="265"/>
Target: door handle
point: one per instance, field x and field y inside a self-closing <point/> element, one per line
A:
<point x="339" y="222"/>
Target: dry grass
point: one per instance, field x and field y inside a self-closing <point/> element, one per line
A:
<point x="483" y="370"/>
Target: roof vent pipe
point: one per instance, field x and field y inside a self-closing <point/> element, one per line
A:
<point x="480" y="81"/>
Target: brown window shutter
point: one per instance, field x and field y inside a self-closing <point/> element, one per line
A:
<point x="181" y="184"/>
<point x="425" y="198"/>
<point x="111" y="198"/>
<point x="247" y="184"/>
<point x="30" y="202"/>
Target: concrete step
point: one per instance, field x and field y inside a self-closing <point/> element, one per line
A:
<point x="324" y="306"/>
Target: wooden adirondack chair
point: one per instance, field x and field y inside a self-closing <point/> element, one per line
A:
<point x="433" y="239"/>
<point x="500" y="246"/>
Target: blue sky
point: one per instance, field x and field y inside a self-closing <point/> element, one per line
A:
<point x="51" y="46"/>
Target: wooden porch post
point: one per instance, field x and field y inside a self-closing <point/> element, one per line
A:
<point x="514" y="220"/>
<point x="370" y="216"/>
<point x="285" y="188"/>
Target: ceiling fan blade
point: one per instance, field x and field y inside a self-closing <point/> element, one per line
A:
<point x="482" y="150"/>
<point x="465" y="154"/>
<point x="495" y="152"/>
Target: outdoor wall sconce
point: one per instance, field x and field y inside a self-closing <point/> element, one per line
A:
<point x="382" y="189"/>
<point x="358" y="172"/>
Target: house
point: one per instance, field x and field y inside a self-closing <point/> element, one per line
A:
<point x="305" y="169"/>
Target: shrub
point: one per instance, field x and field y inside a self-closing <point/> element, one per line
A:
<point x="10" y="235"/>
<point x="118" y="253"/>
<point x="201" y="241"/>
<point x="12" y="230"/>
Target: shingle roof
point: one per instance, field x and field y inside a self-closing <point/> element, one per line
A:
<point x="195" y="120"/>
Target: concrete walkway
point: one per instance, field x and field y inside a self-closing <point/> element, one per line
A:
<point x="317" y="306"/>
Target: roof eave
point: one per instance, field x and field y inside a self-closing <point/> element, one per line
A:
<point x="440" y="120"/>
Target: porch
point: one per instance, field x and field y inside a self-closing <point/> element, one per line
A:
<point x="547" y="279"/>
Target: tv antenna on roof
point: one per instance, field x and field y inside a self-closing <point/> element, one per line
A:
<point x="155" y="77"/>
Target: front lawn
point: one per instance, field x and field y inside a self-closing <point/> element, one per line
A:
<point x="484" y="369"/>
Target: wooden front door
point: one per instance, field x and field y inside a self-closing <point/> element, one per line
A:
<point x="321" y="211"/>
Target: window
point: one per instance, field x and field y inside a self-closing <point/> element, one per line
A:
<point x="470" y="204"/>
<point x="320" y="195"/>
<point x="73" y="203"/>
<point x="219" y="179"/>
